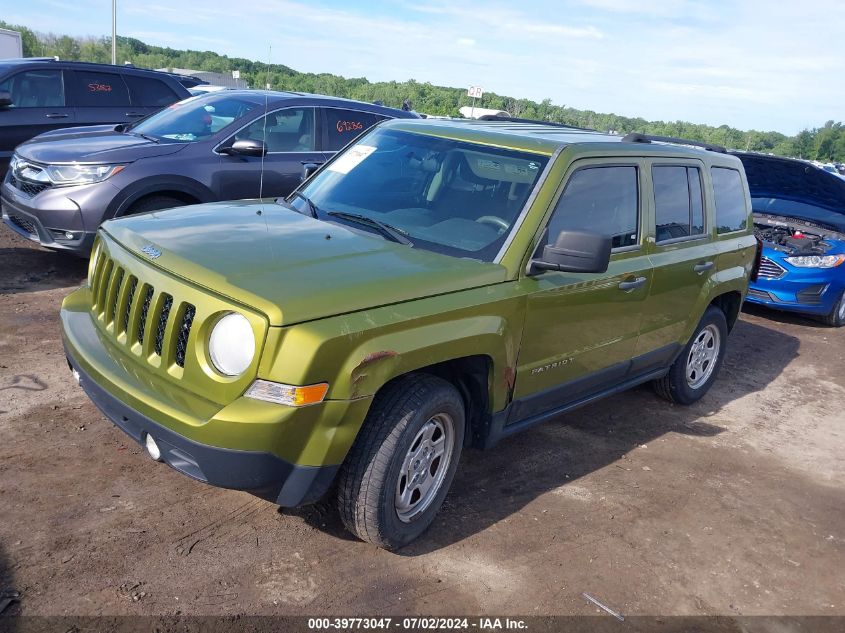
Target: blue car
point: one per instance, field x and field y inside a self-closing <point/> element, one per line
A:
<point x="799" y="214"/>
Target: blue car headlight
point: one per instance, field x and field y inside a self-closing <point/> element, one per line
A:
<point x="816" y="261"/>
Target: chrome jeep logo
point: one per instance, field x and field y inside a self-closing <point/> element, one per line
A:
<point x="151" y="251"/>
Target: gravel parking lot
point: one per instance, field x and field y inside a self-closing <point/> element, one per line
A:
<point x="734" y="506"/>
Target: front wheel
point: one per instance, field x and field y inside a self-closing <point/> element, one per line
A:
<point x="403" y="461"/>
<point x="836" y="318"/>
<point x="694" y="371"/>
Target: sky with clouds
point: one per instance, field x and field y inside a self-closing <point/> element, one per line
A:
<point x="761" y="64"/>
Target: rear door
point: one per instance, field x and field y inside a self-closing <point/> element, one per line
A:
<point x="39" y="104"/>
<point x="341" y="125"/>
<point x="147" y="95"/>
<point x="100" y="97"/>
<point x="682" y="251"/>
<point x="581" y="329"/>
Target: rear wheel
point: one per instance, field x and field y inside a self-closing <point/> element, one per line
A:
<point x="694" y="371"/>
<point x="154" y="203"/>
<point x="836" y="318"/>
<point x="403" y="461"/>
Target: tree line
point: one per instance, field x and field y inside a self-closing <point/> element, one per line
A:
<point x="825" y="143"/>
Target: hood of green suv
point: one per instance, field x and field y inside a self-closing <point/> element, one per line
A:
<point x="291" y="267"/>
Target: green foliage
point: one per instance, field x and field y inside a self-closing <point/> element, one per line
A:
<point x="826" y="143"/>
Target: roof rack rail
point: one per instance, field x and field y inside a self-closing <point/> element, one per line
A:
<point x="637" y="137"/>
<point x="513" y="119"/>
<point x="28" y="59"/>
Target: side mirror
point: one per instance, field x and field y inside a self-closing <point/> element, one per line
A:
<point x="575" y="252"/>
<point x="5" y="99"/>
<point x="246" y="147"/>
<point x="308" y="170"/>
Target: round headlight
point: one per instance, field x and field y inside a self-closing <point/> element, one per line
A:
<point x="231" y="345"/>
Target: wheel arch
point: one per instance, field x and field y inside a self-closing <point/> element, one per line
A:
<point x="185" y="189"/>
<point x="730" y="304"/>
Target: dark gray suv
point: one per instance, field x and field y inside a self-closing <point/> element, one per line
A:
<point x="41" y="94"/>
<point x="62" y="185"/>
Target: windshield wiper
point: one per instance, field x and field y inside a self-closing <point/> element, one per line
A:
<point x="312" y="208"/>
<point x="145" y="136"/>
<point x="394" y="234"/>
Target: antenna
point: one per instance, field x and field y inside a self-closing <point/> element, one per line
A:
<point x="264" y="130"/>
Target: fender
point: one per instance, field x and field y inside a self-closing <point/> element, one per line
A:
<point x="154" y="184"/>
<point x="358" y="353"/>
<point x="734" y="271"/>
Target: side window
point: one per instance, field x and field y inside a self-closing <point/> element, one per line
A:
<point x="729" y="196"/>
<point x="344" y="125"/>
<point x="678" y="205"/>
<point x="149" y="92"/>
<point x="603" y="200"/>
<point x="36" y="89"/>
<point x="287" y="130"/>
<point x="101" y="90"/>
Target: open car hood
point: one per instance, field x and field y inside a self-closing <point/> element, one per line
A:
<point x="794" y="188"/>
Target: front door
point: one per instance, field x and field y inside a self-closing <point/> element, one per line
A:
<point x="290" y="136"/>
<point x="581" y="329"/>
<point x="38" y="105"/>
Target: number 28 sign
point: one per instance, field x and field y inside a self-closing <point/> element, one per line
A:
<point x="476" y="92"/>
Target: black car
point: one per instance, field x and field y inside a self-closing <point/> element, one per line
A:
<point x="42" y="94"/>
<point x="225" y="145"/>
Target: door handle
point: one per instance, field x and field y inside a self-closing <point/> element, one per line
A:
<point x="703" y="266"/>
<point x="56" y="115"/>
<point x="629" y="286"/>
<point x="133" y="114"/>
<point x="313" y="162"/>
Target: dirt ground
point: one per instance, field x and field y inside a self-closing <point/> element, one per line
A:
<point x="734" y="506"/>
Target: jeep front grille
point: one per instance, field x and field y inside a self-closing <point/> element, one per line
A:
<point x="134" y="313"/>
<point x="771" y="269"/>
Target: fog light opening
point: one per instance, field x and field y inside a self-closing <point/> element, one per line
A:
<point x="152" y="448"/>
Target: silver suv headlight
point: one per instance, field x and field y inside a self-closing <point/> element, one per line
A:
<point x="231" y="345"/>
<point x="60" y="175"/>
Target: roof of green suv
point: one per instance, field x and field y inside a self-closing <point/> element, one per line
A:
<point x="529" y="136"/>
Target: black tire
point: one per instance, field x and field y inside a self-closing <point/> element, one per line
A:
<point x="370" y="477"/>
<point x="154" y="203"/>
<point x="675" y="385"/>
<point x="836" y="318"/>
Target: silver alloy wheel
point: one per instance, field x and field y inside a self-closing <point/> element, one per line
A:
<point x="424" y="467"/>
<point x="842" y="308"/>
<point x="703" y="356"/>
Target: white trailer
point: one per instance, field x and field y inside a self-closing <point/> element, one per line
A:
<point x="11" y="45"/>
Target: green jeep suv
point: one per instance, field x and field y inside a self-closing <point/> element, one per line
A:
<point x="439" y="284"/>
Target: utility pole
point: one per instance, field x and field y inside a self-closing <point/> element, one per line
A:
<point x="114" y="32"/>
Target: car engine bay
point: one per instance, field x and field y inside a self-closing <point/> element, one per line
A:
<point x="794" y="237"/>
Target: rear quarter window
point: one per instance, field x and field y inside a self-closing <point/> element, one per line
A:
<point x="729" y="197"/>
<point x="149" y="92"/>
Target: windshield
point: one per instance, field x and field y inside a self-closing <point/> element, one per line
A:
<point x="446" y="196"/>
<point x="193" y="119"/>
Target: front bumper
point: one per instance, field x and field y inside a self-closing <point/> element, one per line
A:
<point x="808" y="292"/>
<point x="262" y="474"/>
<point x="46" y="216"/>
<point x="283" y="454"/>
